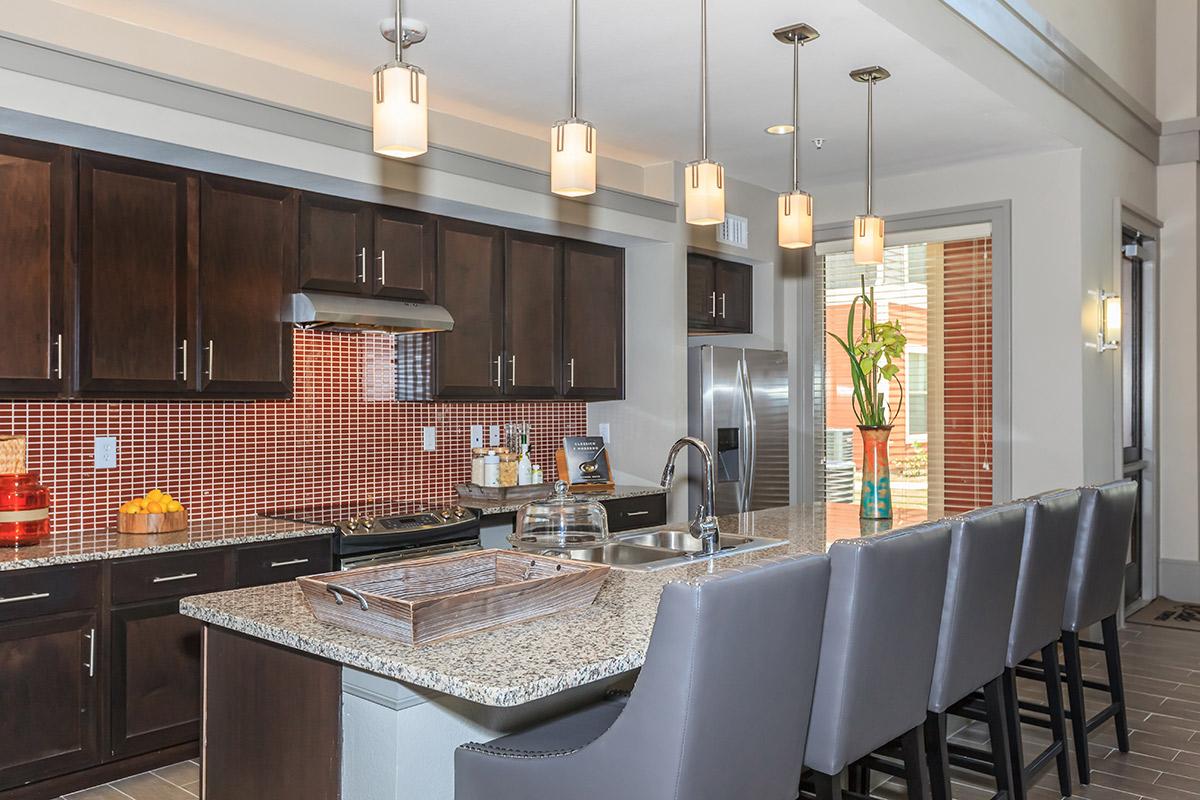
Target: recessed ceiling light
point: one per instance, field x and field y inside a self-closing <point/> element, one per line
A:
<point x="780" y="129"/>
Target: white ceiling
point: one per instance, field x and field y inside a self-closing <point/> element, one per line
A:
<point x="506" y="64"/>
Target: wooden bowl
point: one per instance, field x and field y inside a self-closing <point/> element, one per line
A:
<point x="152" y="523"/>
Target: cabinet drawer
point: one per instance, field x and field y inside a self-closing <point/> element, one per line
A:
<point x="282" y="561"/>
<point x="176" y="575"/>
<point x="28" y="593"/>
<point x="636" y="512"/>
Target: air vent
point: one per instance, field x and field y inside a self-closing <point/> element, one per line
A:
<point x="734" y="231"/>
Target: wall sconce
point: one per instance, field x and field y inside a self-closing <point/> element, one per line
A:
<point x="1108" y="337"/>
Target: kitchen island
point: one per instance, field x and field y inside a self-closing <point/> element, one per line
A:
<point x="381" y="720"/>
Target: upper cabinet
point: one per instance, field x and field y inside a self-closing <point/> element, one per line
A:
<point x="469" y="360"/>
<point x="137" y="246"/>
<point x="36" y="236"/>
<point x="248" y="243"/>
<point x="593" y="322"/>
<point x="405" y="255"/>
<point x="719" y="295"/>
<point x="533" y="277"/>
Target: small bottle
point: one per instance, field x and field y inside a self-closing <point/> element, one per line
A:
<point x="491" y="469"/>
<point x="535" y="474"/>
<point x="525" y="469"/>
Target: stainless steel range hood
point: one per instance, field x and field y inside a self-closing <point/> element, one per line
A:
<point x="325" y="311"/>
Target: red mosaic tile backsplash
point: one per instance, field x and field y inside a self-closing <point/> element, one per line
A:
<point x="343" y="436"/>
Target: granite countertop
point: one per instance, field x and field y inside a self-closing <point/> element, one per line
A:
<point x="71" y="548"/>
<point x="519" y="663"/>
<point x="619" y="491"/>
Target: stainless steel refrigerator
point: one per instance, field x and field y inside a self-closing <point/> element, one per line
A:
<point x="738" y="404"/>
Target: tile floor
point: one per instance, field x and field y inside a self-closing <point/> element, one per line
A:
<point x="1162" y="684"/>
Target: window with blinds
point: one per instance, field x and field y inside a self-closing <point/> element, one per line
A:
<point x="940" y="291"/>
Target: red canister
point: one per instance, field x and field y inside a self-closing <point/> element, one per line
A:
<point x="24" y="510"/>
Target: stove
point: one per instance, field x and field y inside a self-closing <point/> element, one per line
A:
<point x="383" y="531"/>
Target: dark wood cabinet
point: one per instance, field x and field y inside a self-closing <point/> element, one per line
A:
<point x="468" y="360"/>
<point x="137" y="224"/>
<point x="720" y="295"/>
<point x="593" y="322"/>
<point x="533" y="271"/>
<point x="49" y="697"/>
<point x="154" y="678"/>
<point x="405" y="262"/>
<point x="335" y="240"/>
<point x="36" y="236"/>
<point x="248" y="251"/>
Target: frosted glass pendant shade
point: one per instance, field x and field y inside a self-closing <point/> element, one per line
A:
<point x="400" y="111"/>
<point x="573" y="158"/>
<point x="868" y="240"/>
<point x="795" y="220"/>
<point x="704" y="193"/>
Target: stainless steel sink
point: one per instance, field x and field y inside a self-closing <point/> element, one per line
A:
<point x="646" y="551"/>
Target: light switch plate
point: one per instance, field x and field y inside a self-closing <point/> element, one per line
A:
<point x="476" y="436"/>
<point x="494" y="436"/>
<point x="429" y="434"/>
<point x="106" y="452"/>
<point x="605" y="432"/>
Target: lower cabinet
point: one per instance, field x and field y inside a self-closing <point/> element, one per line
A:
<point x="49" y="697"/>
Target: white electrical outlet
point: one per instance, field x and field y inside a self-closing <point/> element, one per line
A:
<point x="106" y="452"/>
<point x="605" y="432"/>
<point x="494" y="436"/>
<point x="429" y="433"/>
<point x="476" y="436"/>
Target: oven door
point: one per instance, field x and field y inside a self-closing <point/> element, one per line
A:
<point x="406" y="554"/>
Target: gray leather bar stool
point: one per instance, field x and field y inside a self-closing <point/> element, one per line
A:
<point x="877" y="654"/>
<point x="1094" y="596"/>
<point x="720" y="709"/>
<point x="1049" y="539"/>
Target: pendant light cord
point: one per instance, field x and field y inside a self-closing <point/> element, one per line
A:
<point x="574" y="54"/>
<point x="796" y="114"/>
<point x="399" y="32"/>
<point x="870" y="143"/>
<point x="704" y="79"/>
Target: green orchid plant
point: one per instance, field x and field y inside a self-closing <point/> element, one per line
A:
<point x="873" y="354"/>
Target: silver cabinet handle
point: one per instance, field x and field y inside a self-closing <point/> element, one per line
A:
<point x="636" y="513"/>
<point x="210" y="359"/>
<point x="722" y="305"/>
<point x="571" y="377"/>
<point x="362" y="260"/>
<point x="713" y="312"/>
<point x="24" y="597"/>
<point x="291" y="563"/>
<point x="58" y="357"/>
<point x="513" y="369"/>
<point x="382" y="267"/>
<point x="91" y="662"/>
<point x="183" y="576"/>
<point x="499" y="369"/>
<point x="183" y="348"/>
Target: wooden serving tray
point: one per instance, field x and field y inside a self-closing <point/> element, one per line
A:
<point x="152" y="523"/>
<point x="429" y="599"/>
<point x="473" y="494"/>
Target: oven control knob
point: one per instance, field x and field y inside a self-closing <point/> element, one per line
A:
<point x="444" y="514"/>
<point x="352" y="524"/>
<point x="460" y="512"/>
<point x="368" y="522"/>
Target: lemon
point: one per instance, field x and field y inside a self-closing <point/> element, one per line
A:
<point x="154" y="507"/>
<point x="173" y="506"/>
<point x="154" y="496"/>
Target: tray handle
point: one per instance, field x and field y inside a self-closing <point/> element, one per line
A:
<point x="337" y="590"/>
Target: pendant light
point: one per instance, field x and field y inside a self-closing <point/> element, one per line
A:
<point x="400" y="117"/>
<point x="573" y="140"/>
<point x="795" y="206"/>
<point x="704" y="180"/>
<point x="868" y="228"/>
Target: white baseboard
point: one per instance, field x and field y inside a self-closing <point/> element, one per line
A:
<point x="1179" y="579"/>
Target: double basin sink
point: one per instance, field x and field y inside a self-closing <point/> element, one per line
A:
<point x="645" y="551"/>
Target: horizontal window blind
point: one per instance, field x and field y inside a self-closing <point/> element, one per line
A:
<point x="941" y="443"/>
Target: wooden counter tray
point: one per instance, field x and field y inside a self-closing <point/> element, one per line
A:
<point x="426" y="600"/>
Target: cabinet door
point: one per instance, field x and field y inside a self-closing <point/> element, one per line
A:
<point x="532" y="314"/>
<point x="405" y="255"/>
<point x="35" y="239"/>
<point x="701" y="293"/>
<point x="247" y="266"/>
<point x="154" y="678"/>
<point x="735" y="297"/>
<point x="593" y="321"/>
<point x="135" y="223"/>
<point x="49" y="697"/>
<point x="335" y="244"/>
<point x="470" y="275"/>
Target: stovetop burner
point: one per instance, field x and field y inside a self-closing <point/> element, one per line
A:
<point x="377" y="517"/>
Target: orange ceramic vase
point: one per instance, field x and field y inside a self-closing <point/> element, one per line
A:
<point x="877" y="474"/>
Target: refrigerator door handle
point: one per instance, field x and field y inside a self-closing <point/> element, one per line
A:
<point x="751" y="436"/>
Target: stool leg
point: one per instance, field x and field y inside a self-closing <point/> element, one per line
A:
<point x="1116" y="683"/>
<point x="993" y="695"/>
<point x="1012" y="718"/>
<point x="1058" y="718"/>
<point x="1070" y="641"/>
<point x="828" y="787"/>
<point x="937" y="755"/>
<point x="859" y="779"/>
<point x="916" y="766"/>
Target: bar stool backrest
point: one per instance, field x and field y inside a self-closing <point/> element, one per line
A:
<point x="881" y="628"/>
<point x="1050" y="523"/>
<point x="985" y="555"/>
<point x="1101" y="546"/>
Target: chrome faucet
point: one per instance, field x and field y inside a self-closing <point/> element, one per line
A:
<point x="704" y="525"/>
